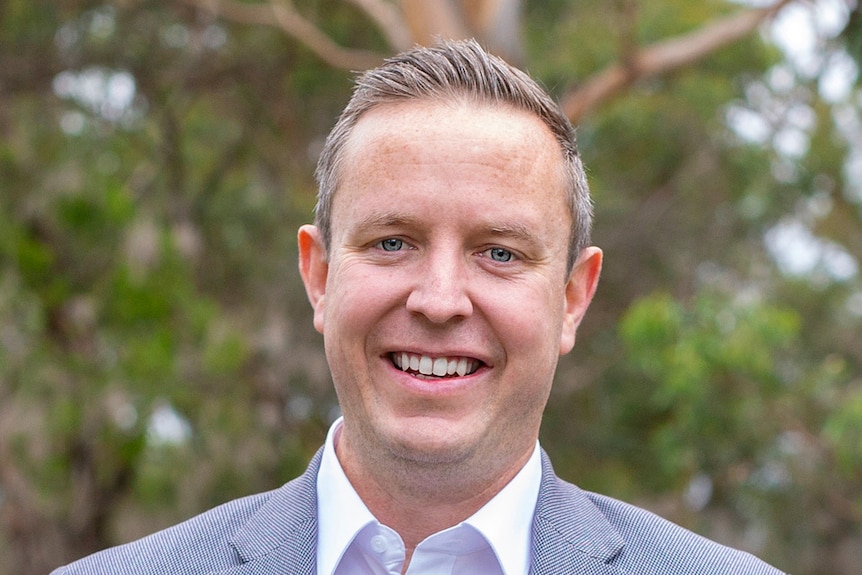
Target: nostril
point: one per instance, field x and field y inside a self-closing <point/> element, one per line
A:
<point x="439" y="306"/>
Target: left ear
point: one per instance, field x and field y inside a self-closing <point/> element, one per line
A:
<point x="580" y="289"/>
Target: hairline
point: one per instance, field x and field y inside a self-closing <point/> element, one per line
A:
<point x="370" y="94"/>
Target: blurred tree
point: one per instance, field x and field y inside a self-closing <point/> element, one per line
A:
<point x="156" y="349"/>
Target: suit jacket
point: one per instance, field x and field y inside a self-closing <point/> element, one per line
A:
<point x="275" y="533"/>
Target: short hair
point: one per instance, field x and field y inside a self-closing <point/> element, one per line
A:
<point x="453" y="70"/>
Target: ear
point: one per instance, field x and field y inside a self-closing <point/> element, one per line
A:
<point x="314" y="268"/>
<point x="580" y="289"/>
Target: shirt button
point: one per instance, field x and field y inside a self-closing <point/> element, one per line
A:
<point x="378" y="543"/>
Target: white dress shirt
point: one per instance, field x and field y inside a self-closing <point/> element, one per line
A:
<point x="495" y="540"/>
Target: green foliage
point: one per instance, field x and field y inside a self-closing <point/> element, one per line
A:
<point x="843" y="431"/>
<point x="709" y="370"/>
<point x="851" y="35"/>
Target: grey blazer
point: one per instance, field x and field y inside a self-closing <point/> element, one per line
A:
<point x="275" y="533"/>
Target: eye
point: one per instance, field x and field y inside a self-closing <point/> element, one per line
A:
<point x="500" y="255"/>
<point x="391" y="244"/>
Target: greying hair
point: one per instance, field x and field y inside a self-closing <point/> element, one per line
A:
<point x="451" y="71"/>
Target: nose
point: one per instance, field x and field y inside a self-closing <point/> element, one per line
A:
<point x="441" y="290"/>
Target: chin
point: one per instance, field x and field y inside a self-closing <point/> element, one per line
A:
<point x="431" y="446"/>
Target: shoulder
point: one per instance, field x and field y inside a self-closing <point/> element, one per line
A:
<point x="225" y="536"/>
<point x="627" y="539"/>
<point x="667" y="547"/>
<point x="200" y="542"/>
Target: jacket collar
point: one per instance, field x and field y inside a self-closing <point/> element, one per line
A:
<point x="281" y="537"/>
<point x="570" y="534"/>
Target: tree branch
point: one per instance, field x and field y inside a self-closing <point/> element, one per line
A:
<point x="429" y="20"/>
<point x="283" y="15"/>
<point x="390" y="21"/>
<point x="663" y="57"/>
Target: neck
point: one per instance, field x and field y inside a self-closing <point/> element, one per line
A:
<point x="398" y="491"/>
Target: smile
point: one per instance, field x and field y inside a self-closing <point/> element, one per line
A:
<point x="440" y="366"/>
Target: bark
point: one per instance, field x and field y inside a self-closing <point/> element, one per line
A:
<point x="496" y="24"/>
<point x="664" y="57"/>
<point x="430" y="20"/>
<point x="282" y="14"/>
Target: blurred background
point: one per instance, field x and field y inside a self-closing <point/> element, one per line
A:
<point x="156" y="349"/>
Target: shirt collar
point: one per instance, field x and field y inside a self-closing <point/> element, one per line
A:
<point x="505" y="521"/>
<point x="341" y="514"/>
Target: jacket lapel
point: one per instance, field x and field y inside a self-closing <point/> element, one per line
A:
<point x="281" y="537"/>
<point x="570" y="535"/>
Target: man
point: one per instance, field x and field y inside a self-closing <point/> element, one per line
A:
<point x="448" y="269"/>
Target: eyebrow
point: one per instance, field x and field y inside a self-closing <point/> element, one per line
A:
<point x="387" y="220"/>
<point x="511" y="230"/>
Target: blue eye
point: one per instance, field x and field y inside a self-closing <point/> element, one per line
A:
<point x="500" y="255"/>
<point x="391" y="244"/>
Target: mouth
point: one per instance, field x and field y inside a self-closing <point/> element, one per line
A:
<point x="424" y="365"/>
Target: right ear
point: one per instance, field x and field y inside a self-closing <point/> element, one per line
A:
<point x="314" y="268"/>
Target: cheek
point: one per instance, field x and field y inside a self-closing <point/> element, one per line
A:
<point x="356" y="299"/>
<point x="534" y="319"/>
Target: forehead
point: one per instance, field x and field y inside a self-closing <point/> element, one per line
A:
<point x="434" y="148"/>
<point x="445" y="119"/>
<point x="458" y="131"/>
<point x="453" y="165"/>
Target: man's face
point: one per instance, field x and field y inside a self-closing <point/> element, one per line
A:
<point x="445" y="302"/>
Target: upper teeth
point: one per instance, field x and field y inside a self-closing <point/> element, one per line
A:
<point x="434" y="366"/>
